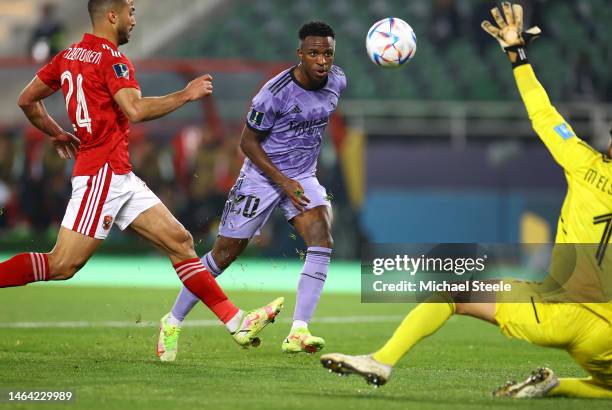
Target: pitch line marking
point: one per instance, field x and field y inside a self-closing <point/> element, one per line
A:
<point x="338" y="320"/>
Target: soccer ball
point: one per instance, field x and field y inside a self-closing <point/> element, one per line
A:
<point x="391" y="42"/>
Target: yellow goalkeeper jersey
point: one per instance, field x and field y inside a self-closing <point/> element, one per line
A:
<point x="586" y="215"/>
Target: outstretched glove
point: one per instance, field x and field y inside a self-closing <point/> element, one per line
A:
<point x="509" y="33"/>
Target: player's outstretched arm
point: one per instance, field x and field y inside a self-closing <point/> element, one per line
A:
<point x="251" y="146"/>
<point x="138" y="108"/>
<point x="31" y="103"/>
<point x="567" y="149"/>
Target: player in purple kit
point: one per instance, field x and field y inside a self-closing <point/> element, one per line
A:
<point x="281" y="140"/>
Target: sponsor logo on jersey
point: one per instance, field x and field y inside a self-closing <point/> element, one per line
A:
<point x="296" y="109"/>
<point x="122" y="71"/>
<point x="564" y="131"/>
<point x="308" y="127"/>
<point x="108" y="221"/>
<point x="256" y="117"/>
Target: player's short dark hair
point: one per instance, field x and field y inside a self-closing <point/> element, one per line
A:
<point x="317" y="29"/>
<point x="98" y="6"/>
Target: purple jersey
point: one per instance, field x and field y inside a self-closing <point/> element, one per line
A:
<point x="293" y="120"/>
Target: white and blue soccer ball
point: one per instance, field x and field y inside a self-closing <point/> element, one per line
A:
<point x="391" y="42"/>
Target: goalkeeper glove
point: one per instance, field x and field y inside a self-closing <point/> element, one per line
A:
<point x="509" y="33"/>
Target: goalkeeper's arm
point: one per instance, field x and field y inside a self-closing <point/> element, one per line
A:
<point x="551" y="127"/>
<point x="567" y="149"/>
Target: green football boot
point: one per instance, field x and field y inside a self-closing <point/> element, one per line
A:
<point x="254" y="322"/>
<point x="300" y="340"/>
<point x="167" y="342"/>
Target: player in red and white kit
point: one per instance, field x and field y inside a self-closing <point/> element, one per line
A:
<point x="102" y="97"/>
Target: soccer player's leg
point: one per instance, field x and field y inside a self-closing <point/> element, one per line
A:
<point x="158" y="225"/>
<point x="80" y="235"/>
<point x="314" y="226"/>
<point x="170" y="325"/>
<point x="592" y="350"/>
<point x="225" y="250"/>
<point x="422" y="321"/>
<point x="585" y="335"/>
<point x="71" y="252"/>
<point x="539" y="324"/>
<point x="582" y="388"/>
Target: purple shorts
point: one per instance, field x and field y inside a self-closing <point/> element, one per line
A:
<point x="251" y="202"/>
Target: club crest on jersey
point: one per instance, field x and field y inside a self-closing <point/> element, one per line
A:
<point x="106" y="224"/>
<point x="121" y="71"/>
<point x="256" y="117"/>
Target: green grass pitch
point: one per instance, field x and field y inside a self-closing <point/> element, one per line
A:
<point x="109" y="359"/>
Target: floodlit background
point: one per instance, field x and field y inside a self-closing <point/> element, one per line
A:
<point x="437" y="151"/>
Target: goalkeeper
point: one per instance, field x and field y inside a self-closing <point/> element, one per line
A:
<point x="584" y="330"/>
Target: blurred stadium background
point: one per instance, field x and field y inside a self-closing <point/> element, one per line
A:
<point x="438" y="151"/>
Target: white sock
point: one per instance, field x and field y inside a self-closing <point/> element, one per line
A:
<point x="234" y="322"/>
<point x="298" y="324"/>
<point x="172" y="321"/>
